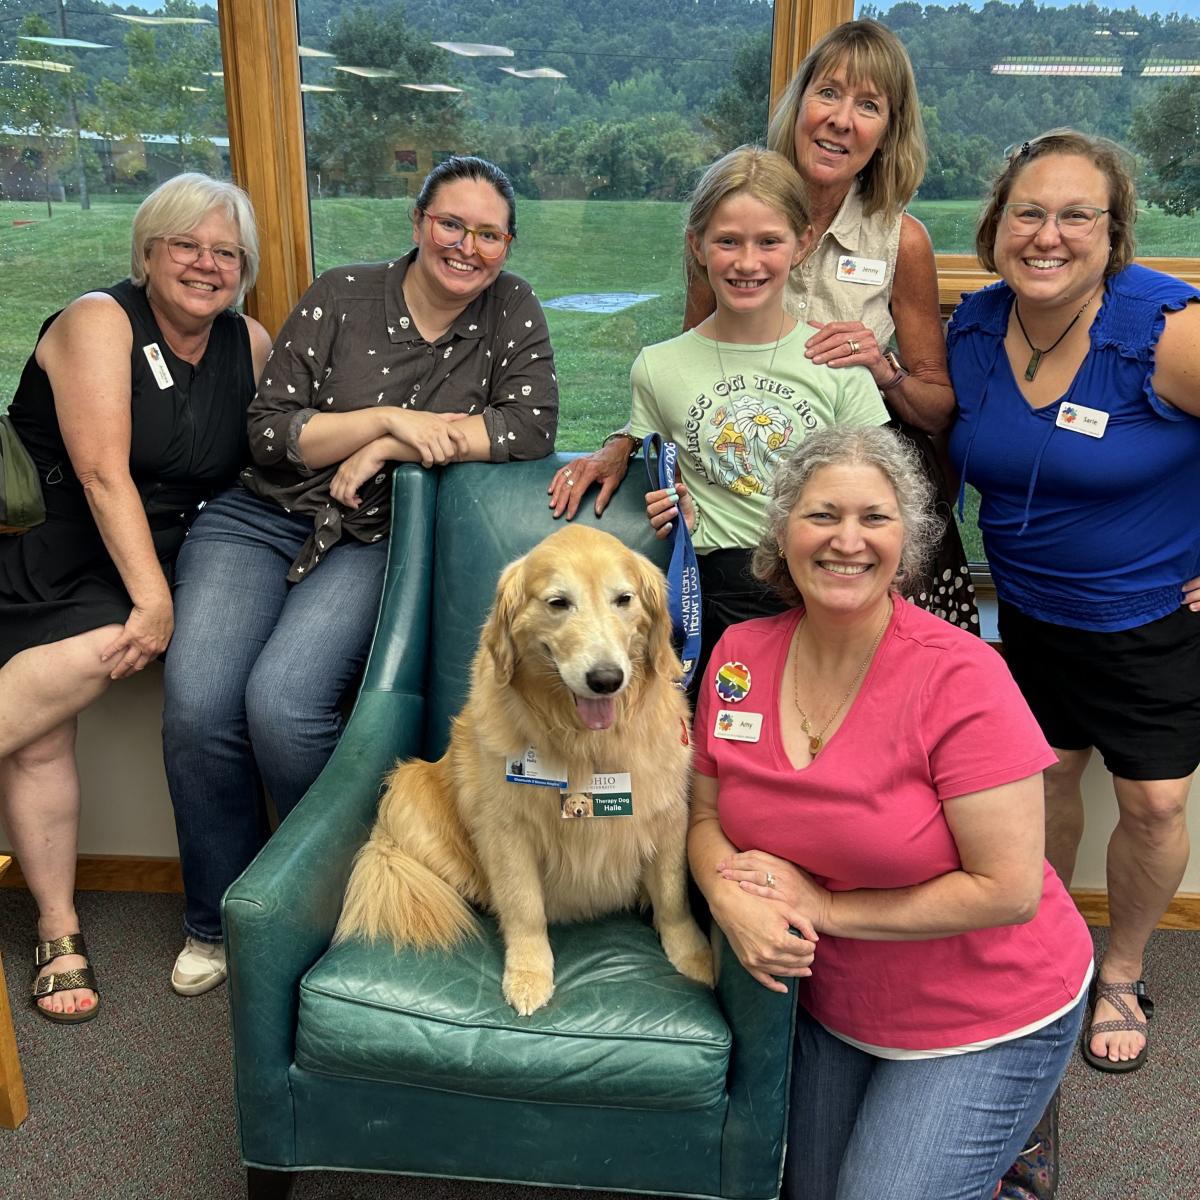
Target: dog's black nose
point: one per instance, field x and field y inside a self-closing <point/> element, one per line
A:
<point x="605" y="680"/>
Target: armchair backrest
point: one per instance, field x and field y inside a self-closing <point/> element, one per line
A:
<point x="487" y="515"/>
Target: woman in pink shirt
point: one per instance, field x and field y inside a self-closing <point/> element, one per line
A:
<point x="867" y="817"/>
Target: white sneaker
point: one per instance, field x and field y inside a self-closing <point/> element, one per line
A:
<point x="199" y="968"/>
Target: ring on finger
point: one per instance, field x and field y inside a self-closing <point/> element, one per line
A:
<point x="770" y="880"/>
<point x="853" y="345"/>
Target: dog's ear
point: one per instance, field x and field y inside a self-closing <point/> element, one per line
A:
<point x="652" y="592"/>
<point x="497" y="637"/>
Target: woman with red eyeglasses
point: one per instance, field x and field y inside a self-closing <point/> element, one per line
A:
<point x="435" y="357"/>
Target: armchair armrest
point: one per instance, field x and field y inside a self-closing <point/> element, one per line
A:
<point x="762" y="1024"/>
<point x="279" y="916"/>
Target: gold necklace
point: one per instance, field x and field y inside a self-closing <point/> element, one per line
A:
<point x="817" y="740"/>
<point x="717" y="341"/>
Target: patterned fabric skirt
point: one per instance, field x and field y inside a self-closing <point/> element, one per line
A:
<point x="946" y="589"/>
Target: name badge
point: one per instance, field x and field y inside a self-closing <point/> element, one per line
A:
<point x="158" y="367"/>
<point x="610" y="794"/>
<point x="529" y="767"/>
<point x="1076" y="418"/>
<point x="861" y="270"/>
<point x="736" y="726"/>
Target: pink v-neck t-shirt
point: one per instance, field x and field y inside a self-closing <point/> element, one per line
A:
<point x="938" y="716"/>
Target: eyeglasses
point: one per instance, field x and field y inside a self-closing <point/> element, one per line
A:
<point x="1075" y="221"/>
<point x="449" y="232"/>
<point x="186" y="251"/>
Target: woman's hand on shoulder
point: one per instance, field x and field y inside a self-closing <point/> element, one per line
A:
<point x="769" y="938"/>
<point x="1191" y="594"/>
<point x="145" y="635"/>
<point x="664" y="506"/>
<point x="778" y="879"/>
<point x="606" y="466"/>
<point x="847" y="344"/>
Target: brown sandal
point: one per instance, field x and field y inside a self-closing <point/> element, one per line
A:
<point x="1112" y="992"/>
<point x="63" y="981"/>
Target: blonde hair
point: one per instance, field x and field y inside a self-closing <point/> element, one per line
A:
<point x="1111" y="160"/>
<point x="179" y="205"/>
<point x="871" y="53"/>
<point x="763" y="174"/>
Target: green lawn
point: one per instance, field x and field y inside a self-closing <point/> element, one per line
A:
<point x="564" y="246"/>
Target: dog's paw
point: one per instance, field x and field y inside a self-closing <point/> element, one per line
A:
<point x="527" y="990"/>
<point x="697" y="966"/>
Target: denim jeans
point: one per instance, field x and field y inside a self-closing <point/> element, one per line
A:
<point x="864" y="1128"/>
<point x="255" y="675"/>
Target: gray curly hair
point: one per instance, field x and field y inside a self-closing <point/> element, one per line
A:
<point x="872" y="446"/>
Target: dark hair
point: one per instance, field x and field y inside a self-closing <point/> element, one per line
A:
<point x="1111" y="160"/>
<point x="467" y="166"/>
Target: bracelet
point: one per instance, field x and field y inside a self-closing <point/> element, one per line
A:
<point x="635" y="442"/>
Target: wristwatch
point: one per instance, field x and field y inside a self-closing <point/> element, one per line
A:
<point x="901" y="374"/>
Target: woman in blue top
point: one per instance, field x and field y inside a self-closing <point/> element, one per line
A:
<point x="1079" y="424"/>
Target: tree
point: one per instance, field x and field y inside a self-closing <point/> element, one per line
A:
<point x="39" y="103"/>
<point x="358" y="128"/>
<point x="738" y="114"/>
<point x="1167" y="132"/>
<point x="166" y="89"/>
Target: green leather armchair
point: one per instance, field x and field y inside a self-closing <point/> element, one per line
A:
<point x="356" y="1057"/>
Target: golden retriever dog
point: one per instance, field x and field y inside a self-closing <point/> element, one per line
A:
<point x="575" y="661"/>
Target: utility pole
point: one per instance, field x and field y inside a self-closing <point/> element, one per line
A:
<point x="85" y="201"/>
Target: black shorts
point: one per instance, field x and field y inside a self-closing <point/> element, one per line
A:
<point x="1133" y="694"/>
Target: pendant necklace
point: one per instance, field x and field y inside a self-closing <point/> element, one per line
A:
<point x="717" y="342"/>
<point x="817" y="740"/>
<point x="1035" y="359"/>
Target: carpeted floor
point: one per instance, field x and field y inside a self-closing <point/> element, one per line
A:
<point x="138" y="1103"/>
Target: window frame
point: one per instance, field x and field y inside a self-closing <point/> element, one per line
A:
<point x="259" y="44"/>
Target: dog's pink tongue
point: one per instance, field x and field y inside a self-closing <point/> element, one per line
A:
<point x="597" y="714"/>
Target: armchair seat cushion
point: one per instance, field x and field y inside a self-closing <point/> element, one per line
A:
<point x="624" y="1029"/>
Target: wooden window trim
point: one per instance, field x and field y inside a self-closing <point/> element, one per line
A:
<point x="259" y="40"/>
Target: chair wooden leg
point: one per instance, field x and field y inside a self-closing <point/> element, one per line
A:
<point x="262" y="1184"/>
<point x="14" y="1107"/>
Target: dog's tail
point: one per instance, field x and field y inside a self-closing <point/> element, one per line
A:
<point x="407" y="880"/>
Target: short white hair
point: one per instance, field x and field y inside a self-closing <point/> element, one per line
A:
<point x="179" y="205"/>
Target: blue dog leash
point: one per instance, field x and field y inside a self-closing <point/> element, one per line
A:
<point x="683" y="575"/>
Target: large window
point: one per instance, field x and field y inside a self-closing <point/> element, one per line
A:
<point x="96" y="109"/>
<point x="990" y="78"/>
<point x="602" y="112"/>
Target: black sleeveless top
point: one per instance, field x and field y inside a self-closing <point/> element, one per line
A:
<point x="187" y="441"/>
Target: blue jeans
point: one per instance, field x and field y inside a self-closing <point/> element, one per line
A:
<point x="864" y="1128"/>
<point x="255" y="676"/>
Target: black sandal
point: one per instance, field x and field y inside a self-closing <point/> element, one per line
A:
<point x="63" y="981"/>
<point x="1112" y="992"/>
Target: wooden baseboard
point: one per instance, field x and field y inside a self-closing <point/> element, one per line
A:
<point x="1182" y="913"/>
<point x="116" y="873"/>
<point x="126" y="873"/>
